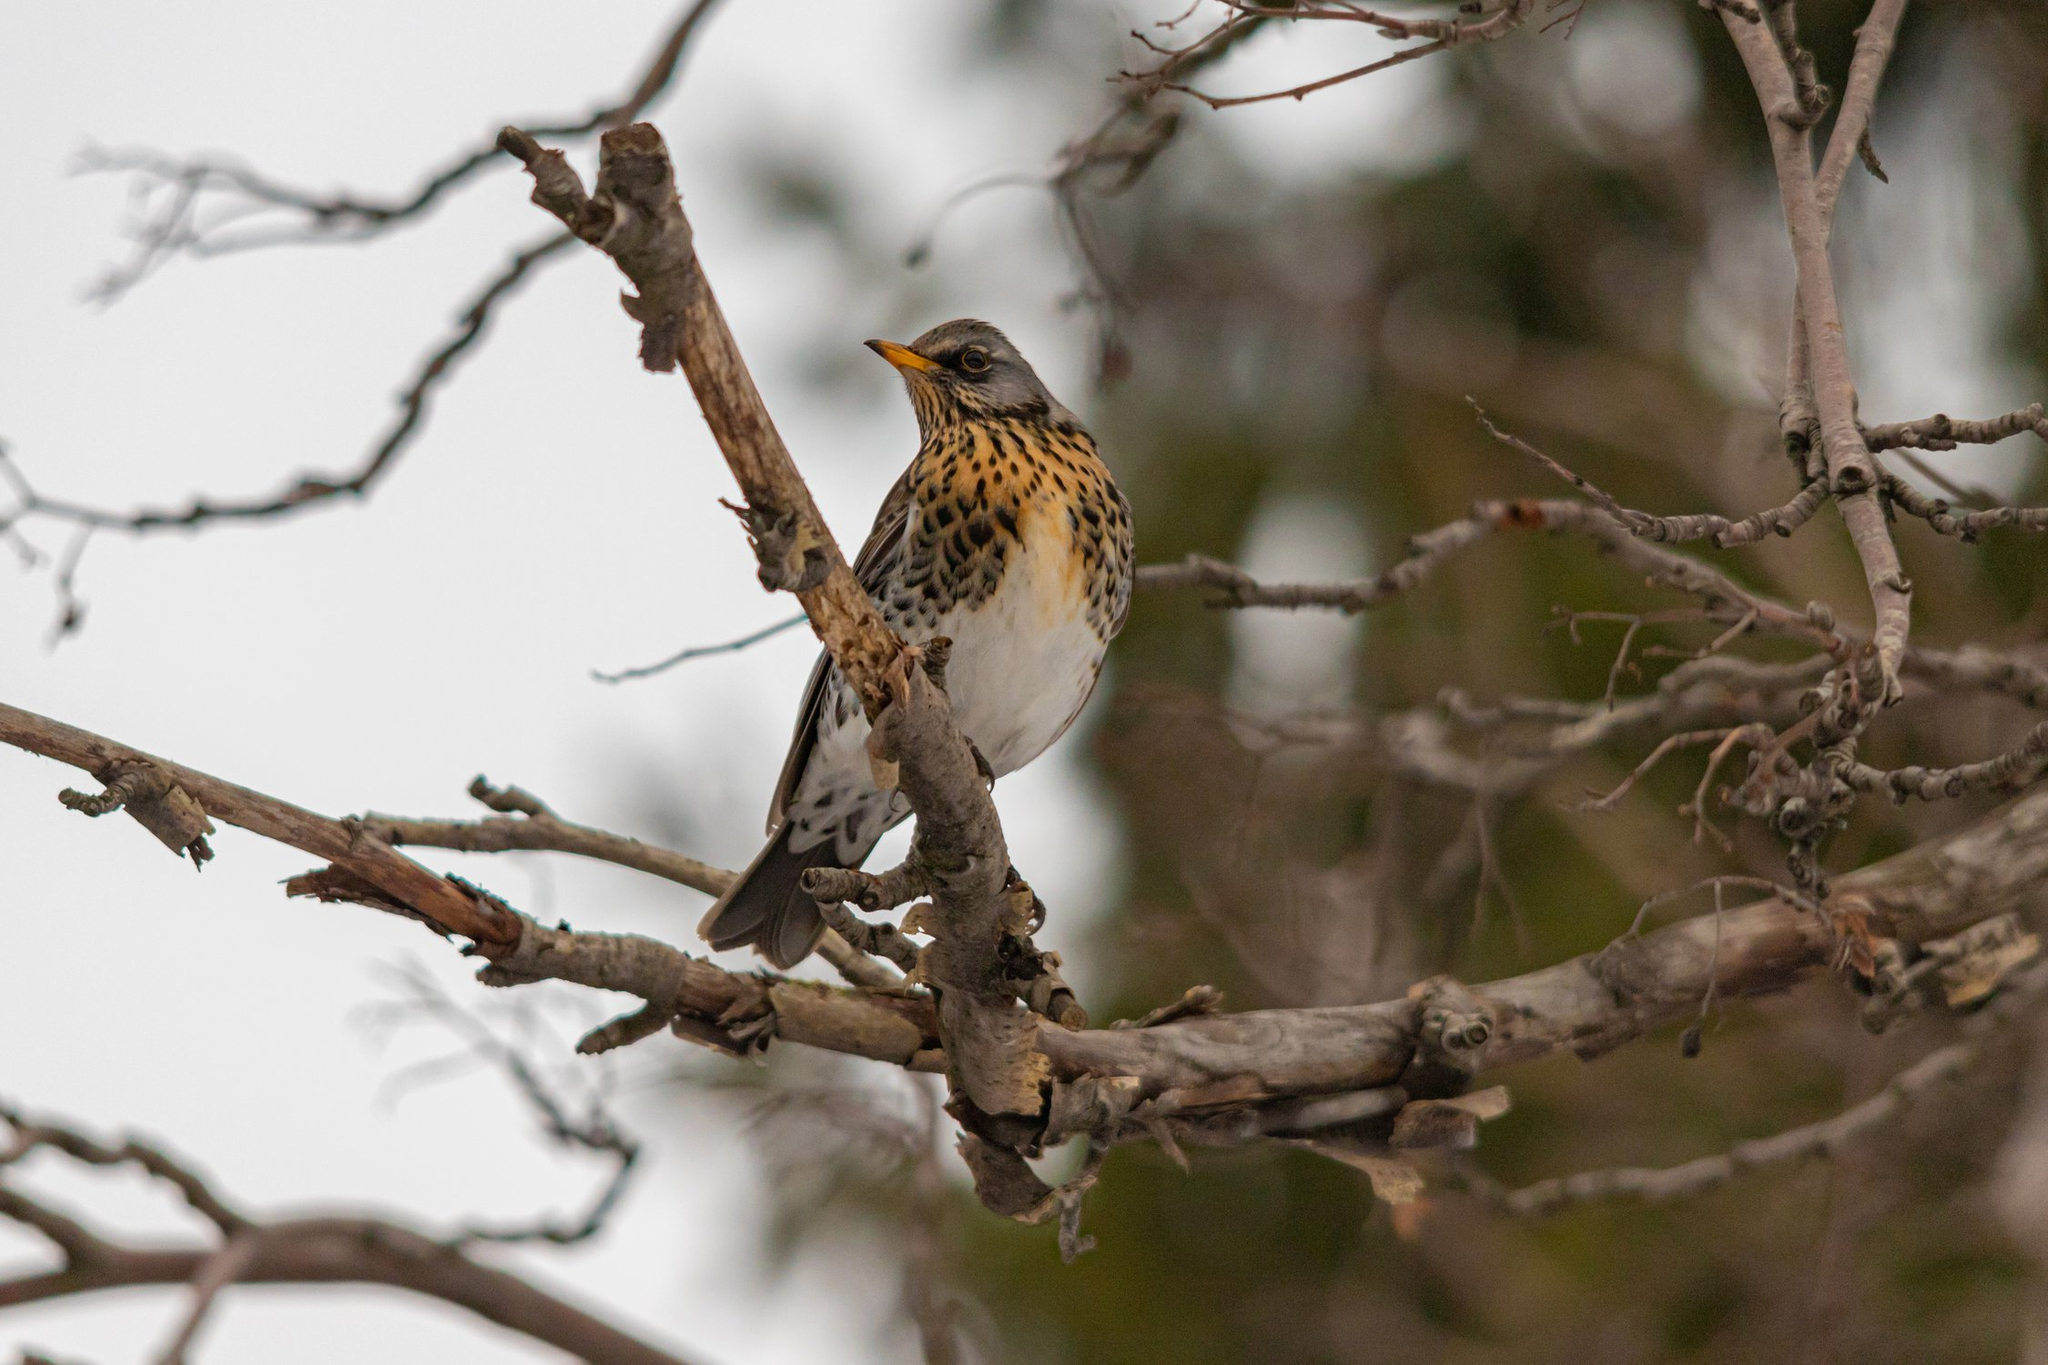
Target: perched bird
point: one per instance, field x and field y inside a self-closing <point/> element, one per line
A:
<point x="1006" y="535"/>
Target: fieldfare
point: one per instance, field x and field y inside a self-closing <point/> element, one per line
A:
<point x="1006" y="535"/>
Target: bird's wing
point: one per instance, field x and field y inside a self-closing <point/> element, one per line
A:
<point x="870" y="567"/>
<point x="1127" y="549"/>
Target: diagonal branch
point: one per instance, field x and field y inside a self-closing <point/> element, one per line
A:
<point x="407" y="886"/>
<point x="1850" y="136"/>
<point x="1851" y="471"/>
<point x="1809" y="1141"/>
<point x="1782" y="520"/>
<point x="635" y="216"/>
<point x="1224" y="1063"/>
<point x="309" y="489"/>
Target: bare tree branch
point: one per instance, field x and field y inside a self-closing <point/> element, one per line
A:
<point x="635" y="216"/>
<point x="184" y="188"/>
<point x="1443" y="34"/>
<point x="2016" y="767"/>
<point x="1942" y="432"/>
<point x="346" y="216"/>
<point x="1850" y="136"/>
<point x="681" y="656"/>
<point x="373" y="864"/>
<point x="1824" y="1139"/>
<point x="1726" y="600"/>
<point x="540" y="828"/>
<point x="308" y="489"/>
<point x="306" y="1250"/>
<point x="1852" y="473"/>
<point x="1725" y="534"/>
<point x="1191" y="1070"/>
<point x="1969" y="525"/>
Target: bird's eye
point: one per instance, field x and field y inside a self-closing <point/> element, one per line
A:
<point x="974" y="360"/>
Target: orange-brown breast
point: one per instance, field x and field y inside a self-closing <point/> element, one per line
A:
<point x="985" y="491"/>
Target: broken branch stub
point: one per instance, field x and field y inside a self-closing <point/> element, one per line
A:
<point x="155" y="801"/>
<point x="636" y="217"/>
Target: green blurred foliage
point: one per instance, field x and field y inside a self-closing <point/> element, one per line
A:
<point x="1309" y="340"/>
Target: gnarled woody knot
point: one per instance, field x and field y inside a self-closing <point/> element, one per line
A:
<point x="1454" y="1023"/>
<point x="790" y="550"/>
<point x="157" y="803"/>
<point x="635" y="217"/>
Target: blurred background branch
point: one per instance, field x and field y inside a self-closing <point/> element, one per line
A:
<point x="1290" y="301"/>
<point x="307" y="1249"/>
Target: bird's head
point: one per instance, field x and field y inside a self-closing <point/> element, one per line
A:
<point x="968" y="371"/>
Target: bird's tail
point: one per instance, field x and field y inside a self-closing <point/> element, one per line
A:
<point x="767" y="906"/>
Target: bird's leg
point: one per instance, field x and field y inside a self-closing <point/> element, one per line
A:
<point x="981" y="765"/>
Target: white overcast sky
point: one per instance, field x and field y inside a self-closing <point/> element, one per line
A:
<point x="558" y="515"/>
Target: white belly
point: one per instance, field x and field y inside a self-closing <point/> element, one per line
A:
<point x="1023" y="663"/>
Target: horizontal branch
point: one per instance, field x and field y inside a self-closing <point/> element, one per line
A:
<point x="1441" y="35"/>
<point x="532" y="827"/>
<point x="1970" y="667"/>
<point x="1826" y="1138"/>
<point x="2016" y="767"/>
<point x="1586" y="1005"/>
<point x="1942" y="432"/>
<point x="1782" y="520"/>
<point x="317" y="216"/>
<point x="1595" y="1002"/>
<point x="1965" y="526"/>
<point x="540" y="829"/>
<point x="1823" y="1139"/>
<point x="1233" y="587"/>
<point x="306" y="1250"/>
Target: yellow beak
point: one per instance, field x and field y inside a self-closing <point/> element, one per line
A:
<point x="902" y="357"/>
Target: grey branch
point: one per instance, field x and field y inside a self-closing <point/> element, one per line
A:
<point x="184" y="189"/>
<point x="1968" y="525"/>
<point x="2016" y="767"/>
<point x="1942" y="432"/>
<point x="1782" y="520"/>
<point x="634" y="215"/>
<point x="1441" y="34"/>
<point x="1820" y="345"/>
<point x="306" y="1250"/>
<point x="1917" y="1083"/>
<point x="310" y="489"/>
<point x="1231" y="1063"/>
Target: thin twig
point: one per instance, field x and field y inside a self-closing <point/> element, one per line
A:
<point x="1942" y="432"/>
<point x="2024" y="763"/>
<point x="1443" y="33"/>
<point x="1782" y="520"/>
<point x="1825" y="1139"/>
<point x="1969" y="525"/>
<point x="309" y="216"/>
<point x="746" y="641"/>
<point x="311" y="489"/>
